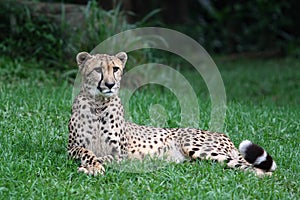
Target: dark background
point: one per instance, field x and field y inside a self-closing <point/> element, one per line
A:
<point x="255" y="29"/>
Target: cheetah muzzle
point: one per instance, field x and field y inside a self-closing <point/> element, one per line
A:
<point x="98" y="133"/>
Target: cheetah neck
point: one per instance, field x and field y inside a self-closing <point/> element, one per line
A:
<point x="111" y="105"/>
<point x="98" y="100"/>
<point x="99" y="104"/>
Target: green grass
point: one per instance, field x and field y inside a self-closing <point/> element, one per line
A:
<point x="263" y="106"/>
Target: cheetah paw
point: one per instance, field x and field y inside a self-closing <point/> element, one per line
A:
<point x="261" y="173"/>
<point x="92" y="170"/>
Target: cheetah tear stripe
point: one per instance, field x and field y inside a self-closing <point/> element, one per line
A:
<point x="257" y="156"/>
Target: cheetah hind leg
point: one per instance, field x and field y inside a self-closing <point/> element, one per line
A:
<point x="237" y="161"/>
<point x="232" y="160"/>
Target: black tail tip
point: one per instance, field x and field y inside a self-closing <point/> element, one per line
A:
<point x="257" y="156"/>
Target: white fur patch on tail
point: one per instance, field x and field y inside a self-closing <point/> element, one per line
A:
<point x="244" y="146"/>
<point x="261" y="158"/>
<point x="273" y="167"/>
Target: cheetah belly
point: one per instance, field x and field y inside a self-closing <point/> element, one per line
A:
<point x="174" y="154"/>
<point x="149" y="141"/>
<point x="168" y="151"/>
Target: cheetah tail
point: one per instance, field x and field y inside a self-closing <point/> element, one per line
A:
<point x="257" y="156"/>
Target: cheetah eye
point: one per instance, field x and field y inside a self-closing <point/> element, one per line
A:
<point x="98" y="69"/>
<point x="116" y="69"/>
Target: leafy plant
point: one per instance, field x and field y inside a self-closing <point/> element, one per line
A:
<point x="32" y="35"/>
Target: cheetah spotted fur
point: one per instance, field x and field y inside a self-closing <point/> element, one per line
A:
<point x="98" y="133"/>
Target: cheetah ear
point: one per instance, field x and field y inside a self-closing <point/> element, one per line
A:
<point x="81" y="57"/>
<point x="123" y="57"/>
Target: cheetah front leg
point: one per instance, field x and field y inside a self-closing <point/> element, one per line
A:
<point x="90" y="163"/>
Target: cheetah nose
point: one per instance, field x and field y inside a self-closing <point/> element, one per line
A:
<point x="110" y="85"/>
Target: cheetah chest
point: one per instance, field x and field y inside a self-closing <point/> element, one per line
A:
<point x="101" y="130"/>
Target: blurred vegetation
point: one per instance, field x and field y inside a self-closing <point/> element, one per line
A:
<point x="43" y="37"/>
<point x="245" y="26"/>
<point x="254" y="28"/>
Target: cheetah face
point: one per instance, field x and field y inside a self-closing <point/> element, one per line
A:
<point x="101" y="73"/>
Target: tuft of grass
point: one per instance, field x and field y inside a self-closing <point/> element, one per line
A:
<point x="35" y="108"/>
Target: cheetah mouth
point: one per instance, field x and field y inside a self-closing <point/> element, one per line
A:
<point x="107" y="93"/>
<point x="104" y="90"/>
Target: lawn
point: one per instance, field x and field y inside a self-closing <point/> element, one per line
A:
<point x="263" y="106"/>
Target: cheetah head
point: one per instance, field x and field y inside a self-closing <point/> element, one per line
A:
<point x="101" y="73"/>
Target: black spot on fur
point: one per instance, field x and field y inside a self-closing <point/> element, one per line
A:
<point x="214" y="154"/>
<point x="208" y="149"/>
<point x="113" y="142"/>
<point x="92" y="110"/>
<point x="191" y="153"/>
<point x="87" y="141"/>
<point x="104" y="108"/>
<point x="107" y="139"/>
<point x="89" y="132"/>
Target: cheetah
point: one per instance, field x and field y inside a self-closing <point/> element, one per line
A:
<point x="99" y="134"/>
